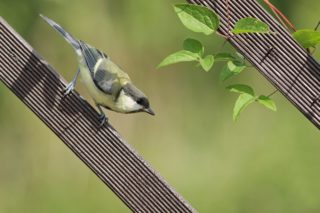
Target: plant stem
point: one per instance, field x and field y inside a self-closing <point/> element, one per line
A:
<point x="274" y="92"/>
<point x="318" y="25"/>
<point x="227" y="37"/>
<point x="315" y="29"/>
<point x="280" y="16"/>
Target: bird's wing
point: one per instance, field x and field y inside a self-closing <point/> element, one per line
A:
<point x="106" y="75"/>
<point x="109" y="78"/>
<point x="91" y="55"/>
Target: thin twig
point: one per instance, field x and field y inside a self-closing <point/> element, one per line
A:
<point x="282" y="16"/>
<point x="279" y="18"/>
<point x="318" y="25"/>
<point x="274" y="92"/>
<point x="315" y="29"/>
<point x="227" y="37"/>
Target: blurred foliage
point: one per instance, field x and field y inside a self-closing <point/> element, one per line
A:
<point x="266" y="162"/>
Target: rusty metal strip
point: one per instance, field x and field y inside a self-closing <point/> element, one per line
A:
<point x="75" y="122"/>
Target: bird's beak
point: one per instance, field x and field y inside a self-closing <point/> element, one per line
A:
<point x="149" y="111"/>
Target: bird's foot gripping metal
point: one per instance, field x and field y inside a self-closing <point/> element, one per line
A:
<point x="70" y="87"/>
<point x="102" y="118"/>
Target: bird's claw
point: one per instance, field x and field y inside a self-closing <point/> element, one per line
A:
<point x="103" y="119"/>
<point x="69" y="88"/>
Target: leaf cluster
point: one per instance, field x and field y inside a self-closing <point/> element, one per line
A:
<point x="203" y="20"/>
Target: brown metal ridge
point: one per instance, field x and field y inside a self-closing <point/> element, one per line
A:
<point x="76" y="123"/>
<point x="277" y="55"/>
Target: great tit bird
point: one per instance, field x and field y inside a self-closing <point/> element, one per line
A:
<point x="109" y="85"/>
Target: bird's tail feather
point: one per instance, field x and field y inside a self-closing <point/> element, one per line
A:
<point x="68" y="37"/>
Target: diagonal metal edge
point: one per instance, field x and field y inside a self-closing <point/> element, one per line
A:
<point x="287" y="66"/>
<point x="103" y="150"/>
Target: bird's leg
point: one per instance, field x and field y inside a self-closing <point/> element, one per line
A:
<point x="102" y="118"/>
<point x="70" y="87"/>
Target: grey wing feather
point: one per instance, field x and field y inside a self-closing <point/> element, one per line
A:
<point x="65" y="34"/>
<point x="105" y="81"/>
<point x="91" y="55"/>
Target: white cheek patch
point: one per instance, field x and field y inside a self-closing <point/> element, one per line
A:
<point x="127" y="103"/>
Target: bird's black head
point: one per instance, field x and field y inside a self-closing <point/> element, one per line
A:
<point x="139" y="98"/>
<point x="143" y="101"/>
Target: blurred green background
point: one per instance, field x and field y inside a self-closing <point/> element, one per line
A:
<point x="265" y="162"/>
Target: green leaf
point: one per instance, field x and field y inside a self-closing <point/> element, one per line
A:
<point x="193" y="45"/>
<point x="241" y="88"/>
<point x="207" y="62"/>
<point x="267" y="102"/>
<point x="181" y="56"/>
<point x="307" y="38"/>
<point x="236" y="66"/>
<point x="250" y="25"/>
<point x="242" y="58"/>
<point x="197" y="18"/>
<point x="242" y="102"/>
<point x="224" y="57"/>
<point x="231" y="69"/>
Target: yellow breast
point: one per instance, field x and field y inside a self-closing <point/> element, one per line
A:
<point x="98" y="96"/>
<point x="122" y="105"/>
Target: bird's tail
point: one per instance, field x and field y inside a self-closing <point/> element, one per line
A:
<point x="67" y="36"/>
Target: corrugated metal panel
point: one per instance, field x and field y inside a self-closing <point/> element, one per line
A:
<point x="75" y="122"/>
<point x="277" y="56"/>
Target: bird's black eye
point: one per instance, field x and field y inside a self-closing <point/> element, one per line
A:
<point x="143" y="102"/>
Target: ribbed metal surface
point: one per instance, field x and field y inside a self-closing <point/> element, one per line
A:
<point x="277" y="56"/>
<point x="75" y="122"/>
